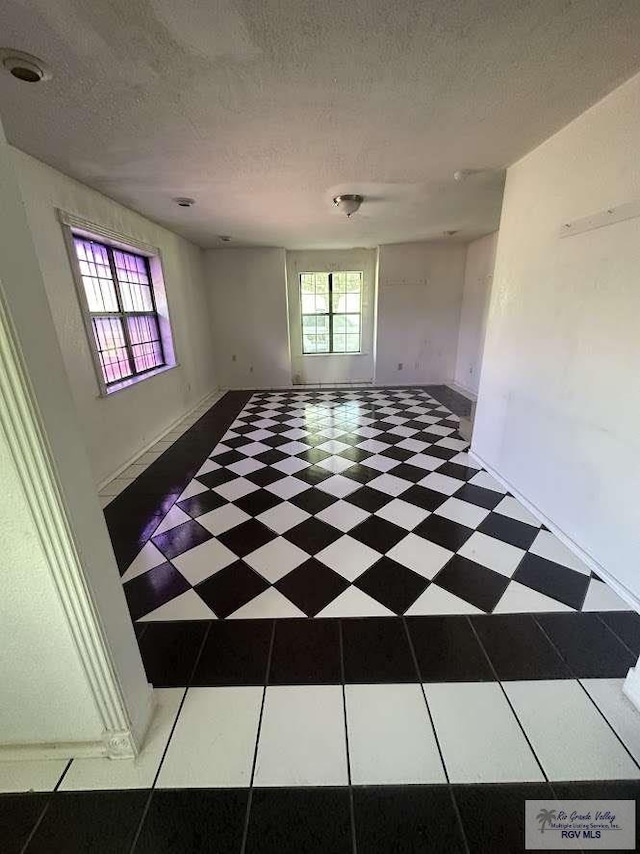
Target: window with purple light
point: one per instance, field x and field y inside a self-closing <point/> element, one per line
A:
<point x="121" y="304"/>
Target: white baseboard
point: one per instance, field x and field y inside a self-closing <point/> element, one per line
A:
<point x="630" y="598"/>
<point x="59" y="750"/>
<point x="212" y="395"/>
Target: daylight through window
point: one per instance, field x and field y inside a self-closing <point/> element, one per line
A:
<point x="331" y="312"/>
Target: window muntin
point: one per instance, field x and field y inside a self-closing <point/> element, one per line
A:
<point x="121" y="304"/>
<point x="331" y="306"/>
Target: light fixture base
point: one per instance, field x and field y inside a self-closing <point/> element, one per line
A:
<point x="349" y="203"/>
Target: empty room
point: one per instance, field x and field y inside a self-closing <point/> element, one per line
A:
<point x="319" y="417"/>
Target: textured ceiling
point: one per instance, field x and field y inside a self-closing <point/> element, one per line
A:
<point x="264" y="109"/>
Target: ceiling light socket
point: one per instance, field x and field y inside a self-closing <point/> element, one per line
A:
<point x="184" y="202"/>
<point x="24" y="66"/>
<point x="225" y="238"/>
<point x="348" y="203"/>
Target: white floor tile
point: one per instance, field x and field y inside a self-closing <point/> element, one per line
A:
<point x="338" y="485"/>
<point x="511" y="507"/>
<point x="494" y="554"/>
<point x="518" y="599"/>
<point x="245" y="466"/>
<point x="425" y="461"/>
<point x="402" y="513"/>
<point x="381" y="463"/>
<point x="293" y="448"/>
<point x="335" y="464"/>
<point x="223" y="518"/>
<point x="193" y="488"/>
<point x="234" y="489"/>
<point x="415" y="445"/>
<point x="302" y="738"/>
<point x="148" y="558"/>
<point x="452" y="444"/>
<point x="207" y="466"/>
<point x="283" y="517"/>
<point x="547" y="545"/>
<point x="441" y="483"/>
<point x="275" y="559"/>
<point x="600" y="597"/>
<point x="291" y="465"/>
<point x="435" y="600"/>
<point x="187" y="606"/>
<point x="31" y="775"/>
<point x="287" y="487"/>
<point x="214" y="740"/>
<point x="422" y="556"/>
<point x="391" y="740"/>
<point x="354" y="602"/>
<point x="374" y="446"/>
<point x="349" y="557"/>
<point x="253" y="449"/>
<point x="342" y="515"/>
<point x="389" y="484"/>
<point x="174" y="517"/>
<point x="479" y="735"/>
<point x="462" y="511"/>
<point x="465" y="459"/>
<point x="268" y="605"/>
<point x="203" y="561"/>
<point x="333" y="446"/>
<point x="569" y="736"/>
<point x="618" y="710"/>
<point x="138" y="773"/>
<point x="485" y="480"/>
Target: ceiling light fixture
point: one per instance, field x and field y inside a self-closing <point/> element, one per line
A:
<point x="184" y="202"/>
<point x="348" y="203"/>
<point x="24" y="66"/>
<point x="225" y="238"/>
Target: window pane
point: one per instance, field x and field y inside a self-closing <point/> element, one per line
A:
<point x="309" y="323"/>
<point x="145" y="342"/>
<point x="354" y="282"/>
<point x="308" y="304"/>
<point x="309" y="343"/>
<point x="307" y="283"/>
<point x="339" y="343"/>
<point x="339" y="283"/>
<point x="322" y="325"/>
<point x="322" y="283"/>
<point x="132" y="275"/>
<point x="353" y="323"/>
<point x="353" y="344"/>
<point x="96" y="275"/>
<point x="339" y="303"/>
<point x="111" y="348"/>
<point x="322" y="303"/>
<point x="322" y="343"/>
<point x="339" y="323"/>
<point x="353" y="302"/>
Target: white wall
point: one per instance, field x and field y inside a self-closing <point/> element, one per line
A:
<point x="335" y="368"/>
<point x="419" y="298"/>
<point x="45" y="689"/>
<point x="118" y="426"/>
<point x="478" y="276"/>
<point x="559" y="403"/>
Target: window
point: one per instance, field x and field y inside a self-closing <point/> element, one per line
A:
<point x="122" y="310"/>
<point x="331" y="312"/>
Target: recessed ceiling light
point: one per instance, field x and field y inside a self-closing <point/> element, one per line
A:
<point x="451" y="232"/>
<point x="24" y="66"/>
<point x="184" y="202"/>
<point x="225" y="238"/>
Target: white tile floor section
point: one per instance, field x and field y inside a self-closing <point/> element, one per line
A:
<point x="488" y="732"/>
<point x="115" y="486"/>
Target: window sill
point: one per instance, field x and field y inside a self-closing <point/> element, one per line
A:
<point x="134" y="381"/>
<point x="313" y="355"/>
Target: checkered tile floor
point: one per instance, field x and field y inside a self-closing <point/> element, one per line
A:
<point x="347" y="504"/>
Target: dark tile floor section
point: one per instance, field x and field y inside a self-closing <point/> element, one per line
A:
<point x="135" y="513"/>
<point x="385" y="649"/>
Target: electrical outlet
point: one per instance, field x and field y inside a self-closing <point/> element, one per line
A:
<point x="400" y="365"/>
<point x="234" y="358"/>
<point x="250" y="369"/>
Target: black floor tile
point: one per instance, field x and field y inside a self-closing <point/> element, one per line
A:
<point x="100" y="822"/>
<point x="228" y="458"/>
<point x="400" y="454"/>
<point x="409" y="472"/>
<point x="487" y="498"/>
<point x="313" y="500"/>
<point x="626" y="626"/>
<point x="444" y="532"/>
<point x="315" y="455"/>
<point x="472" y="582"/>
<point x="447" y="650"/>
<point x="170" y="650"/>
<point x="18" y="817"/>
<point x="257" y="502"/>
<point x="551" y="579"/>
<point x="458" y="471"/>
<point x="435" y="450"/>
<point x="378" y="534"/>
<point x="393" y="585"/>
<point x="361" y="473"/>
<point x="518" y="649"/>
<point x="247" y="537"/>
<point x="406" y="820"/>
<point x="264" y="477"/>
<point x="194" y="820"/>
<point x="313" y="821"/>
<point x="217" y="477"/>
<point x="271" y="456"/>
<point x="231" y="588"/>
<point x="311" y="586"/>
<point x="589" y="647"/>
<point x="306" y="652"/>
<point x="509" y="530"/>
<point x="181" y="538"/>
<point x="605" y="790"/>
<point x="493" y="815"/>
<point x="153" y="588"/>
<point x="202" y="503"/>
<point x="312" y="535"/>
<point x="368" y="499"/>
<point x="375" y="649"/>
<point x="427" y="499"/>
<point x="236" y="652"/>
<point x="313" y="475"/>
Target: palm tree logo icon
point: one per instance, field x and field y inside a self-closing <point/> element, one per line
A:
<point x="545" y="817"/>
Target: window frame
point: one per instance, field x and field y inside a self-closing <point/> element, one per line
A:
<point x="74" y="227"/>
<point x="331" y="314"/>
